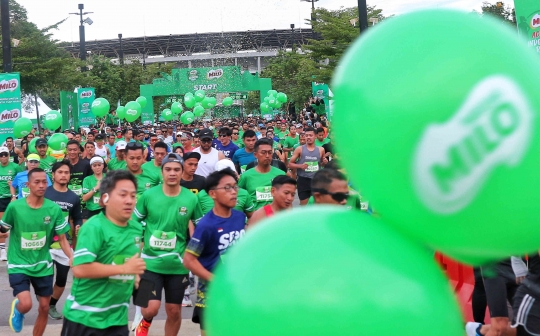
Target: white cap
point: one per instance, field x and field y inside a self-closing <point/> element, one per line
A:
<point x="224" y="164"/>
<point x="96" y="159"/>
<point x="4" y="150"/>
<point x="121" y="145"/>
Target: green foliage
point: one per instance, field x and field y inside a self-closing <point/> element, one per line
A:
<point x="501" y="11"/>
<point x="253" y="102"/>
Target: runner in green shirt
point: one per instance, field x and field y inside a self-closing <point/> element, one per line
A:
<point x="134" y="158"/>
<point x="91" y="186"/>
<point x="119" y="162"/>
<point x="33" y="221"/>
<point x="291" y="140"/>
<point x="45" y="162"/>
<point x="258" y="181"/>
<point x="321" y="140"/>
<point x="8" y="170"/>
<point x="167" y="210"/>
<point x="236" y="139"/>
<point x="282" y="133"/>
<point x="106" y="266"/>
<point x="154" y="166"/>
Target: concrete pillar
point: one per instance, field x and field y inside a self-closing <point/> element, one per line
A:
<point x="189" y="63"/>
<point x="236" y="61"/>
<point x="259" y="64"/>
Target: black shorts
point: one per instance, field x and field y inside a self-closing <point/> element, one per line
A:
<point x="500" y="286"/>
<point x="70" y="328"/>
<point x="4" y="202"/>
<point x="303" y="187"/>
<point x="43" y="286"/>
<point x="527" y="308"/>
<point x="198" y="316"/>
<point x="87" y="214"/>
<point x="173" y="284"/>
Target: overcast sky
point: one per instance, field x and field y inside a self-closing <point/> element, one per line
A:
<point x="163" y="17"/>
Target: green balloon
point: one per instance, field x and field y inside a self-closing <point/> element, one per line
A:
<point x="365" y="256"/>
<point x="100" y="107"/>
<point x="272" y="93"/>
<point x="272" y="101"/>
<point x="187" y="118"/>
<point x="133" y="111"/>
<point x="281" y="97"/>
<point x="53" y="120"/>
<point x="450" y="137"/>
<point x="227" y="101"/>
<point x="121" y="112"/>
<point x="212" y="102"/>
<point x="167" y="114"/>
<point x="142" y="101"/>
<point x="199" y="95"/>
<point x="198" y="111"/>
<point x="265" y="107"/>
<point x="58" y="141"/>
<point x="176" y="108"/>
<point x="189" y="101"/>
<point x="22" y="127"/>
<point x="266" y="99"/>
<point x="32" y="146"/>
<point x="206" y="102"/>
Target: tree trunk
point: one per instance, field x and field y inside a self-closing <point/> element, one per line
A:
<point x="37" y="112"/>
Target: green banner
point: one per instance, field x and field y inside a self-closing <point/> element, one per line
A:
<point x="528" y="20"/>
<point x="85" y="98"/>
<point x="68" y="108"/>
<point x="10" y="103"/>
<point x="321" y="91"/>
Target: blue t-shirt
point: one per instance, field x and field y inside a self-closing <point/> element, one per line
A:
<point x="214" y="235"/>
<point x="228" y="150"/>
<point x="20" y="182"/>
<point x="112" y="150"/>
<point x="242" y="158"/>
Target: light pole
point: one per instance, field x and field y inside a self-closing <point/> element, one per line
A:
<point x="121" y="53"/>
<point x="362" y="15"/>
<point x="292" y="38"/>
<point x="6" y="36"/>
<point x="82" y="45"/>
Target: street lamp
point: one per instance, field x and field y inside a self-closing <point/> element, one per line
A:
<point x="362" y="15"/>
<point x="82" y="50"/>
<point x="292" y="38"/>
<point x="6" y="38"/>
<point x="121" y="53"/>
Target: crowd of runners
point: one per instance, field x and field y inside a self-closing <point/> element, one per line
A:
<point x="141" y="211"/>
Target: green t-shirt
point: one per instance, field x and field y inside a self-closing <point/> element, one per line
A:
<point x="115" y="164"/>
<point x="144" y="144"/>
<point x="166" y="230"/>
<point x="291" y="143"/>
<point x="151" y="168"/>
<point x="146" y="180"/>
<point x="321" y="143"/>
<point x="258" y="185"/>
<point x="244" y="203"/>
<point x="282" y="136"/>
<point x="31" y="234"/>
<point x="103" y="302"/>
<point x="89" y="183"/>
<point x="239" y="143"/>
<point x="7" y="173"/>
<point x="46" y="164"/>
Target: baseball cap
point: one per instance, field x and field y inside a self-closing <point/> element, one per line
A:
<point x="121" y="145"/>
<point x="33" y="157"/>
<point x="206" y="134"/>
<point x="224" y="164"/>
<point x="4" y="150"/>
<point x="299" y="126"/>
<point x="99" y="137"/>
<point x="173" y="157"/>
<point x="40" y="142"/>
<point x="192" y="155"/>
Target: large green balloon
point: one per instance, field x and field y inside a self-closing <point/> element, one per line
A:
<point x="187" y="118"/>
<point x="266" y="99"/>
<point x="167" y="114"/>
<point x="53" y="120"/>
<point x="199" y="95"/>
<point x="272" y="93"/>
<point x="450" y="137"/>
<point x="142" y="101"/>
<point x="100" y="107"/>
<point x="22" y="127"/>
<point x="227" y="101"/>
<point x="281" y="97"/>
<point x="198" y="111"/>
<point x="212" y="101"/>
<point x="58" y="141"/>
<point x="133" y="111"/>
<point x="372" y="274"/>
<point x="206" y="102"/>
<point x="32" y="146"/>
<point x="176" y="108"/>
<point x="189" y="101"/>
<point x="121" y="112"/>
<point x="265" y="107"/>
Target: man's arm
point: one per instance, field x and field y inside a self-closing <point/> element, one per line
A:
<point x="95" y="270"/>
<point x="324" y="160"/>
<point x="294" y="157"/>
<point x="192" y="263"/>
<point x="64" y="244"/>
<point x="255" y="218"/>
<point x="221" y="156"/>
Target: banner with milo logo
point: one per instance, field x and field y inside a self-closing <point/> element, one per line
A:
<point x="528" y="21"/>
<point x="10" y="103"/>
<point x="85" y="97"/>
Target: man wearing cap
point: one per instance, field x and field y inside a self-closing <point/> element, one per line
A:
<point x="20" y="182"/>
<point x="8" y="170"/>
<point x="119" y="162"/>
<point x="209" y="155"/>
<point x="166" y="237"/>
<point x="45" y="161"/>
<point x="79" y="168"/>
<point x="190" y="179"/>
<point x="154" y="166"/>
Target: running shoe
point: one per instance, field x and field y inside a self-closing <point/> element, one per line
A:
<point x="3" y="255"/>
<point x="186" y="302"/>
<point x="136" y="320"/>
<point x="142" y="328"/>
<point x="54" y="314"/>
<point x="472" y="327"/>
<point x="16" y="321"/>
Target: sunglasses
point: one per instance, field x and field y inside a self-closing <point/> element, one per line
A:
<point x="338" y="197"/>
<point x="134" y="145"/>
<point x="236" y="133"/>
<point x="206" y="140"/>
<point x="33" y="161"/>
<point x="4" y="154"/>
<point x="223" y="135"/>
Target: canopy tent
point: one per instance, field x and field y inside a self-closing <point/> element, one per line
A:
<point x="29" y="108"/>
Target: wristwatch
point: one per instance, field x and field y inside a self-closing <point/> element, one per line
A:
<point x="94" y="190"/>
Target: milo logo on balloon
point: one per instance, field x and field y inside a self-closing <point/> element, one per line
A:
<point x="9" y="115"/>
<point x="454" y="160"/>
<point x="50" y="116"/>
<point x="131" y="112"/>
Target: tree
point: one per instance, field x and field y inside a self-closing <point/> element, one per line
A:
<point x="499" y="10"/>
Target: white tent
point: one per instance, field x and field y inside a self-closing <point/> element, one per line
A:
<point x="29" y="107"/>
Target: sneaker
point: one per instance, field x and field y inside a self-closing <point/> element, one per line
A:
<point x="136" y="320"/>
<point x="186" y="302"/>
<point x="54" y="314"/>
<point x="471" y="328"/>
<point x="16" y="321"/>
<point x="3" y="255"/>
<point x="142" y="328"/>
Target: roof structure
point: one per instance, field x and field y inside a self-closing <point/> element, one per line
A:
<point x="189" y="44"/>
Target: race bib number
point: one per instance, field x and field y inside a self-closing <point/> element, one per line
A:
<point x="364" y="206"/>
<point x="25" y="192"/>
<point x="33" y="240"/>
<point x="163" y="241"/>
<point x="312" y="167"/>
<point x="263" y="194"/>
<point x="76" y="189"/>
<point x="123" y="278"/>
